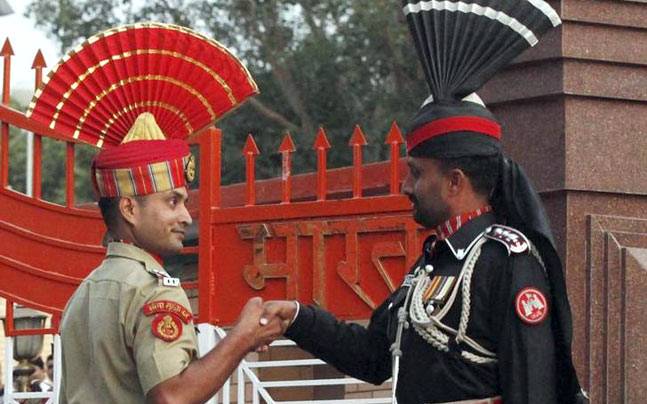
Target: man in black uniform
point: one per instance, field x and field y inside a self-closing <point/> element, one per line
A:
<point x="483" y="317"/>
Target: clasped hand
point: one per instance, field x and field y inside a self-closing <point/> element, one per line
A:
<point x="260" y="322"/>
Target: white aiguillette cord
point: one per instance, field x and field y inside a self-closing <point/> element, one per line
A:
<point x="396" y="352"/>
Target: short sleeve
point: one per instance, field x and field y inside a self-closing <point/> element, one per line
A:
<point x="164" y="341"/>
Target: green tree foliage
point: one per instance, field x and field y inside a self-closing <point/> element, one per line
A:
<point x="331" y="63"/>
<point x="53" y="166"/>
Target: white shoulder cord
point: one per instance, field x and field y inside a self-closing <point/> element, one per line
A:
<point x="427" y="326"/>
<point x="396" y="351"/>
<point x="461" y="335"/>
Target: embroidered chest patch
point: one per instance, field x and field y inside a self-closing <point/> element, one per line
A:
<point x="169" y="316"/>
<point x="531" y="306"/>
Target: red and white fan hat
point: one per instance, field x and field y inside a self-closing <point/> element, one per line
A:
<point x="138" y="92"/>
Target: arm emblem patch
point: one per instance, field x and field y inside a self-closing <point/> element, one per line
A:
<point x="531" y="306"/>
<point x="167" y="327"/>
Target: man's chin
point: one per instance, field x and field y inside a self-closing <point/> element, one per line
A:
<point x="422" y="220"/>
<point x="174" y="249"/>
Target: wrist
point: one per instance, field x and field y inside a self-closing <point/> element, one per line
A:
<point x="295" y="312"/>
<point x="244" y="339"/>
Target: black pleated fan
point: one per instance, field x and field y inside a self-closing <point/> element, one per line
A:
<point x="461" y="44"/>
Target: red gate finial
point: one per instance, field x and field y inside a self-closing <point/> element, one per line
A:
<point x="250" y="151"/>
<point x="395" y="139"/>
<point x="356" y="142"/>
<point x="287" y="147"/>
<point x="321" y="146"/>
<point x="38" y="64"/>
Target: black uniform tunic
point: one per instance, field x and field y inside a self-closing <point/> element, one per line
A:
<point x="525" y="370"/>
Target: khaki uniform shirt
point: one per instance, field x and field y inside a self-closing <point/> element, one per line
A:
<point x="127" y="328"/>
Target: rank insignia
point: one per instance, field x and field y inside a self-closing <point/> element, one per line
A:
<point x="531" y="306"/>
<point x="513" y="239"/>
<point x="166" y="327"/>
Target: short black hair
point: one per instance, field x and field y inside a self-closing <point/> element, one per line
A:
<point x="110" y="211"/>
<point x="483" y="171"/>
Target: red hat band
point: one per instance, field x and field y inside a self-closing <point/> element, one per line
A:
<point x="452" y="124"/>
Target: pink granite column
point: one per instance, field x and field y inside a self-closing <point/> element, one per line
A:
<point x="574" y="112"/>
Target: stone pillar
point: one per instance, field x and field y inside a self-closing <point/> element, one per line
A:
<point x="574" y="114"/>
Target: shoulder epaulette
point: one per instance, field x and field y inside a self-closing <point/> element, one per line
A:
<point x="164" y="279"/>
<point x="513" y="239"/>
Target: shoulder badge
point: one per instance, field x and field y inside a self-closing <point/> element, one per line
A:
<point x="169" y="316"/>
<point x="531" y="306"/>
<point x="512" y="238"/>
<point x="166" y="327"/>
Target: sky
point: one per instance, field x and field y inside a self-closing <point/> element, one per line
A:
<point x="25" y="40"/>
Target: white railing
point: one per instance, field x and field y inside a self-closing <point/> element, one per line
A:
<point x="11" y="396"/>
<point x="246" y="374"/>
<point x="208" y="337"/>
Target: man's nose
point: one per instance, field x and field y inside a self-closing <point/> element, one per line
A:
<point x="186" y="216"/>
<point x="407" y="187"/>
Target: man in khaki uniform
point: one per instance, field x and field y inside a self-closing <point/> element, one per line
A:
<point x="127" y="332"/>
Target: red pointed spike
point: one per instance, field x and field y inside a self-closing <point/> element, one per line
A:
<point x="6" y="50"/>
<point x="287" y="145"/>
<point x="250" y="146"/>
<point x="39" y="61"/>
<point x="395" y="135"/>
<point x="358" y="138"/>
<point x="321" y="141"/>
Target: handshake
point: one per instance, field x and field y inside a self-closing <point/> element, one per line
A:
<point x="260" y="323"/>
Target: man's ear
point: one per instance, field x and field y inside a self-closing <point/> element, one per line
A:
<point x="128" y="207"/>
<point x="456" y="181"/>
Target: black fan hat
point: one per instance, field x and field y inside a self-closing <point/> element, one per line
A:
<point x="461" y="45"/>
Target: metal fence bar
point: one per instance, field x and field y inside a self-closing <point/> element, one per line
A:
<point x="246" y="371"/>
<point x="312" y="382"/>
<point x="8" y="369"/>
<point x="58" y="367"/>
<point x="294" y="362"/>
<point x="28" y="395"/>
<point x="241" y="385"/>
<point x="283" y="342"/>
<point x="257" y="388"/>
<point x="378" y="400"/>
<point x="206" y="341"/>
